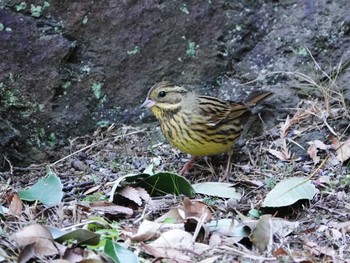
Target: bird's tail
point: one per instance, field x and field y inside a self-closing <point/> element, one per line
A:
<point x="257" y="97"/>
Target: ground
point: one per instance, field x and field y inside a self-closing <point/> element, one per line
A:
<point x="293" y="148"/>
<point x="72" y="66"/>
<point x="75" y="67"/>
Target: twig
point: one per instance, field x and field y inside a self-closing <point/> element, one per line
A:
<point x="93" y="145"/>
<point x="318" y="168"/>
<point x="11" y="167"/>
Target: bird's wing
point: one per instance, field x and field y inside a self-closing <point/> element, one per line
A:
<point x="215" y="111"/>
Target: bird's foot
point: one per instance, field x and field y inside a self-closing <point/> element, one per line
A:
<point x="188" y="165"/>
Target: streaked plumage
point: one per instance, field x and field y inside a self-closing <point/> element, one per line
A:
<point x="199" y="125"/>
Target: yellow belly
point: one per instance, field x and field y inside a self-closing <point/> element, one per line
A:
<point x="201" y="149"/>
<point x="189" y="140"/>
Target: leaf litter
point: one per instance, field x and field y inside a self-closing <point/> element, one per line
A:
<point x="102" y="186"/>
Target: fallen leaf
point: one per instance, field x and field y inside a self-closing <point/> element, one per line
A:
<point x="289" y="191"/>
<point x="146" y="230"/>
<point x="343" y="152"/>
<point x="262" y="234"/>
<point x="283" y="227"/>
<point x="175" y="215"/>
<point x="74" y="254"/>
<point x="342" y="148"/>
<point x="196" y="210"/>
<point x="40" y="239"/>
<point x="167" y="253"/>
<point x="313" y="148"/>
<point x="179" y="240"/>
<point x="80" y="236"/>
<point x="26" y="253"/>
<point x="312" y="152"/>
<point x="219" y="189"/>
<point x="131" y="193"/>
<point x="92" y="189"/>
<point x="16" y="205"/>
<point x="110" y="208"/>
<point x="143" y="194"/>
<point x="314" y="249"/>
<point x="336" y="234"/>
<point x="335" y="141"/>
<point x="279" y="252"/>
<point x="47" y="190"/>
<point x="279" y="155"/>
<point x="320" y="145"/>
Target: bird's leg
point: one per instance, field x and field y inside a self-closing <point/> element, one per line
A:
<point x="188" y="165"/>
<point x="228" y="167"/>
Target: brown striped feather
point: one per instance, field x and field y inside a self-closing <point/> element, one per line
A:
<point x="200" y="125"/>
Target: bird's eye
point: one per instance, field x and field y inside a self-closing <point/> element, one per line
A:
<point x="162" y="94"/>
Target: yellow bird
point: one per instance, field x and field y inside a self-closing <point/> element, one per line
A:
<point x="199" y="125"/>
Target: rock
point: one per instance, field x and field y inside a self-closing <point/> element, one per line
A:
<point x="74" y="66"/>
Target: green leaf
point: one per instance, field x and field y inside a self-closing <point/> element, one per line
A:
<point x="47" y="190"/>
<point x="118" y="253"/>
<point x="82" y="236"/>
<point x="223" y="190"/>
<point x="254" y="213"/>
<point x="289" y="191"/>
<point x="162" y="183"/>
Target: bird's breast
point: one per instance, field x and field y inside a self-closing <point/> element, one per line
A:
<point x="190" y="133"/>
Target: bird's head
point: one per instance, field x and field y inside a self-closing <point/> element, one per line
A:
<point x="164" y="98"/>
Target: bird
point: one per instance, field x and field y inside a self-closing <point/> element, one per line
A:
<point x="199" y="125"/>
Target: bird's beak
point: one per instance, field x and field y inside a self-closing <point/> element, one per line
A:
<point x="148" y="103"/>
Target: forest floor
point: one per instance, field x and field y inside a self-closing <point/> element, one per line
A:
<point x="318" y="228"/>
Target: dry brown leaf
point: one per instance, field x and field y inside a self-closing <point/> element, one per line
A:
<point x="167" y="253"/>
<point x="74" y="254"/>
<point x="317" y="250"/>
<point x="31" y="234"/>
<point x="280" y="155"/>
<point x="26" y="254"/>
<point x="343" y="152"/>
<point x="177" y="214"/>
<point x="16" y="205"/>
<point x="255" y="182"/>
<point x="342" y="226"/>
<point x="279" y="252"/>
<point x="335" y="142"/>
<point x="40" y="238"/>
<point x="283" y="227"/>
<point x="342" y="148"/>
<point x="320" y="145"/>
<point x="92" y="189"/>
<point x="196" y="210"/>
<point x="313" y="148"/>
<point x="131" y="193"/>
<point x="179" y="240"/>
<point x="110" y="208"/>
<point x="312" y="152"/>
<point x="262" y="234"/>
<point x="146" y="230"/>
<point x="143" y="194"/>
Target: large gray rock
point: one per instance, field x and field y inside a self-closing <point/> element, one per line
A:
<point x="75" y="64"/>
